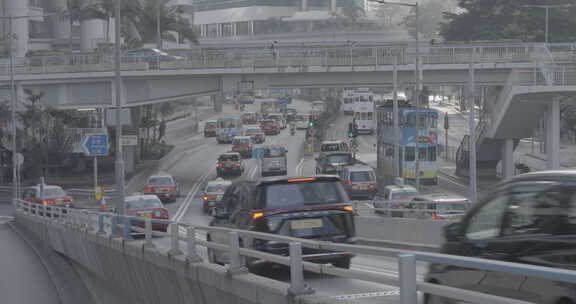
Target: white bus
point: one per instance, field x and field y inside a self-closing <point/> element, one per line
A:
<point x="364" y="111"/>
<point x="348" y="101"/>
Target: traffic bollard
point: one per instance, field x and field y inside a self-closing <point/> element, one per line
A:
<point x="192" y="256"/>
<point x="148" y="234"/>
<point x="407" y="275"/>
<point x="174" y="240"/>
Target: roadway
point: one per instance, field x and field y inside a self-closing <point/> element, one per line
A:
<point x="194" y="165"/>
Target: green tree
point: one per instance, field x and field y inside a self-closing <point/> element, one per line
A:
<point x="508" y="19"/>
<point x="431" y="15"/>
<point x="171" y="20"/>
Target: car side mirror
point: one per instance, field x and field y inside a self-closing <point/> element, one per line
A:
<point x="453" y="232"/>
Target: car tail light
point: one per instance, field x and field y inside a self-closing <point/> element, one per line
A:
<point x="372" y="185"/>
<point x="209" y="198"/>
<point x="436" y="216"/>
<point x="147" y="190"/>
<point x="68" y="199"/>
<point x="348" y="208"/>
<point x="171" y="189"/>
<point x="236" y="165"/>
<point x="257" y="215"/>
<point x="219" y="165"/>
<point x="45" y="203"/>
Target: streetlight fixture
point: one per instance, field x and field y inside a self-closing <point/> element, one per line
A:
<point x="119" y="163"/>
<point x="418" y="86"/>
<point x="13" y="103"/>
<point x="547" y="7"/>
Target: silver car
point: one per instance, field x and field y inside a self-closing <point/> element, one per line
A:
<point x="274" y="161"/>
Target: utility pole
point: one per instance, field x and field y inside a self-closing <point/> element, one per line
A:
<point x="158" y="26"/>
<point x="120" y="187"/>
<point x="396" y="122"/>
<point x="472" y="128"/>
<point x="13" y="100"/>
<point x="15" y="195"/>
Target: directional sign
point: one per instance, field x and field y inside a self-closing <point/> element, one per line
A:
<point x="95" y="144"/>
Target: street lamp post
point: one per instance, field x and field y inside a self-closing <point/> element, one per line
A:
<point x="13" y="102"/>
<point x="418" y="85"/>
<point x="547" y="16"/>
<point x="119" y="170"/>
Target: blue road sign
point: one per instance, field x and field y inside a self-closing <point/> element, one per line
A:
<point x="95" y="144"/>
<point x="257" y="153"/>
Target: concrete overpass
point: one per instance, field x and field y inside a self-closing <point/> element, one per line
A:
<point x="87" y="80"/>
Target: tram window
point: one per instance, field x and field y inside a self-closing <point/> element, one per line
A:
<point x="389" y="151"/>
<point x="432" y="153"/>
<point x="357" y="115"/>
<point x="370" y="116"/>
<point x="409" y="154"/>
<point x="422" y="154"/>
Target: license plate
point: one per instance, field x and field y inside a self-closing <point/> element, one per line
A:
<point x="59" y="201"/>
<point x="148" y="215"/>
<point x="306" y="224"/>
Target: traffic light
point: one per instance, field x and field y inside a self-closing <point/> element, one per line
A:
<point x="311" y="124"/>
<point x="351" y="130"/>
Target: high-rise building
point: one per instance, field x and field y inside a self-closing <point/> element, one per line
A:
<point x="230" y="18"/>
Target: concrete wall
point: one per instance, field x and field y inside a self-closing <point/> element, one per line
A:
<point x="424" y="232"/>
<point x="124" y="272"/>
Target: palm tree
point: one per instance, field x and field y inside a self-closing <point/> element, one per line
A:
<point x="171" y="19"/>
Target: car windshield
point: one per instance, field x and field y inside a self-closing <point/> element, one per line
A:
<point x="340" y="159"/>
<point x="210" y="124"/>
<point x="362" y="176"/>
<point x="291" y="195"/>
<point x="144" y="203"/>
<point x="160" y="180"/>
<point x="404" y="194"/>
<point x="216" y="188"/>
<point x="253" y="131"/>
<point x="54" y="192"/>
<point x="229" y="157"/>
<point x="335" y="147"/>
<point x="242" y="141"/>
<point x="301" y="117"/>
<point x="274" y="152"/>
<point x="268" y="122"/>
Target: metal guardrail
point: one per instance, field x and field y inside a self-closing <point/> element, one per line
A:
<point x="284" y="59"/>
<point x="108" y="224"/>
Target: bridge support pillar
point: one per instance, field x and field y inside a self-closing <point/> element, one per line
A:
<point x="553" y="135"/>
<point x="304" y="5"/>
<point x="508" y="158"/>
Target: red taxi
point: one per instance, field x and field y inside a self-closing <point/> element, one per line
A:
<point x="53" y="196"/>
<point x="147" y="206"/>
<point x="270" y="127"/>
<point x="242" y="145"/>
<point x="164" y="186"/>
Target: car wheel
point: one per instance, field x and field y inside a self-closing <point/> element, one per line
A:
<point x="343" y="263"/>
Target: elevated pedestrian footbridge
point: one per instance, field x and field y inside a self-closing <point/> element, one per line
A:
<point x="81" y="80"/>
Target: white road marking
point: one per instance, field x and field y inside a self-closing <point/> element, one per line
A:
<point x="387" y="293"/>
<point x="299" y="167"/>
<point x="191" y="194"/>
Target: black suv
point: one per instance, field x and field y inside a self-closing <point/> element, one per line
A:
<point x="304" y="207"/>
<point x="529" y="219"/>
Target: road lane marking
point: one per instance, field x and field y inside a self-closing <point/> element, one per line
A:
<point x="299" y="167"/>
<point x="191" y="194"/>
<point x="386" y="293"/>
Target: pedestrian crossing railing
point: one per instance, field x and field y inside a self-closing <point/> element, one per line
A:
<point x="291" y="59"/>
<point x="187" y="239"/>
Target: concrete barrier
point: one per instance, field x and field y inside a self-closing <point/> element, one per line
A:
<point x="117" y="271"/>
<point x="425" y="232"/>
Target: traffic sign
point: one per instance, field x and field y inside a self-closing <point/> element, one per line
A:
<point x="95" y="144"/>
<point x="129" y="140"/>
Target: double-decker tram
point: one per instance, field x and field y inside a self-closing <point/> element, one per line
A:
<point x="426" y="137"/>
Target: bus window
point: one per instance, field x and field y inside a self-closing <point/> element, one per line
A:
<point x="409" y="154"/>
<point x="422" y="154"/>
<point x="432" y="153"/>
